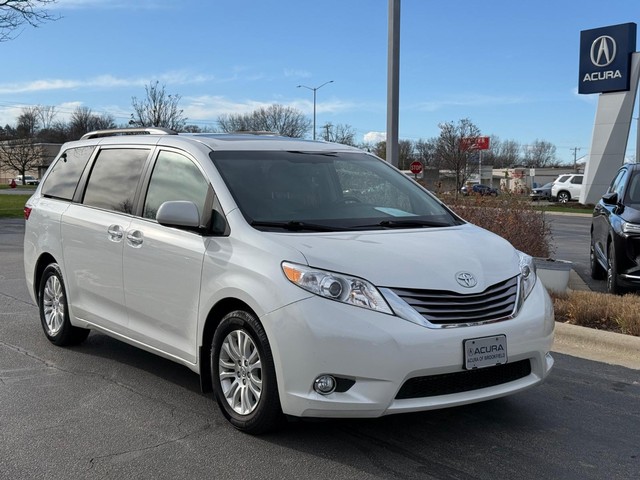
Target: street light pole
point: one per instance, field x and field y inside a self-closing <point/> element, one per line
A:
<point x="314" y="90"/>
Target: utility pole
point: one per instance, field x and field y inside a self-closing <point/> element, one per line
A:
<point x="575" y="159"/>
<point x="393" y="82"/>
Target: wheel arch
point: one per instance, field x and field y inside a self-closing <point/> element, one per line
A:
<point x="43" y="262"/>
<point x="215" y="316"/>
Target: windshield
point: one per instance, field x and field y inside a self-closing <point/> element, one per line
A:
<point x="316" y="191"/>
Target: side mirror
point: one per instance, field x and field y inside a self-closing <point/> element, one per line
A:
<point x="610" y="198"/>
<point x="179" y="213"/>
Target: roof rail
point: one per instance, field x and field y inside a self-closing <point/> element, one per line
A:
<point x="254" y="132"/>
<point x="128" y="131"/>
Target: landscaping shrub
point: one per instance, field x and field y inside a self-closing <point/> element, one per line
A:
<point x="599" y="310"/>
<point x="513" y="218"/>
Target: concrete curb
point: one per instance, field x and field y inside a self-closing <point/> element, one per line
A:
<point x="597" y="345"/>
<point x="593" y="344"/>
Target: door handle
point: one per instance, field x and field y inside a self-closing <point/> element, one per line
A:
<point x="115" y="233"/>
<point x="135" y="238"/>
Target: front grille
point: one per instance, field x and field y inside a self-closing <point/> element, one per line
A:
<point x="465" y="381"/>
<point x="442" y="307"/>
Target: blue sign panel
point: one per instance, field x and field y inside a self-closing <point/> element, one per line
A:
<point x="605" y="58"/>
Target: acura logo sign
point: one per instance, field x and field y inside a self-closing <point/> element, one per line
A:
<point x="603" y="51"/>
<point x="466" y="279"/>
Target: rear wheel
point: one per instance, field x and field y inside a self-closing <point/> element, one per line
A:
<point x="243" y="374"/>
<point x="54" y="311"/>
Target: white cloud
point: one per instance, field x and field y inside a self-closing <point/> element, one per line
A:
<point x="293" y="73"/>
<point x="105" y="81"/>
<point x="375" y="137"/>
<point x="469" y="100"/>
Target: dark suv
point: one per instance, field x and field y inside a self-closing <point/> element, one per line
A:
<point x="615" y="232"/>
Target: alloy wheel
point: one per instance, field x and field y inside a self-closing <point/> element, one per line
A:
<point x="240" y="372"/>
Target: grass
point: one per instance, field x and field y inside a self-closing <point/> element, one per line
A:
<point x="12" y="206"/>
<point x="19" y="187"/>
<point x="566" y="208"/>
<point x="599" y="310"/>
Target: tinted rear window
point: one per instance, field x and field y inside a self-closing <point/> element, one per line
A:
<point x="65" y="173"/>
<point x="114" y="179"/>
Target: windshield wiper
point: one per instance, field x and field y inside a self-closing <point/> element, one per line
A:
<point x="296" y="226"/>
<point x="408" y="223"/>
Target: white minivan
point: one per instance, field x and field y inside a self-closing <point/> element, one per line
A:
<point x="297" y="278"/>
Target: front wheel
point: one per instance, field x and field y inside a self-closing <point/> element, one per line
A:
<point x="54" y="310"/>
<point x="612" y="272"/>
<point x="597" y="272"/>
<point x="243" y="374"/>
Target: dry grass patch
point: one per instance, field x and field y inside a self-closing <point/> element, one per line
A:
<point x="599" y="310"/>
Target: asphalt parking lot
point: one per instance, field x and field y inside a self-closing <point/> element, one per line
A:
<point x="105" y="409"/>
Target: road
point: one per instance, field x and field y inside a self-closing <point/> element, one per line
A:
<point x="571" y="237"/>
<point x="107" y="410"/>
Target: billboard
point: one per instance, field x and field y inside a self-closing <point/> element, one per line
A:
<point x="605" y="58"/>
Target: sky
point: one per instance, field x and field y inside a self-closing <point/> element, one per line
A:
<point x="510" y="66"/>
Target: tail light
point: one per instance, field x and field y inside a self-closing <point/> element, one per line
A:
<point x="27" y="212"/>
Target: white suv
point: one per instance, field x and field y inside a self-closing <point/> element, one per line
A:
<point x="302" y="278"/>
<point x="567" y="187"/>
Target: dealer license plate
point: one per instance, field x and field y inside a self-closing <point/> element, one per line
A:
<point x="485" y="352"/>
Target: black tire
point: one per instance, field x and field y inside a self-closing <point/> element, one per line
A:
<point x="564" y="197"/>
<point x="597" y="272"/>
<point x="252" y="412"/>
<point x="612" y="272"/>
<point x="54" y="310"/>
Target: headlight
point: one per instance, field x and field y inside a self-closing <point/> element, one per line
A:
<point x="338" y="287"/>
<point x="527" y="275"/>
<point x="631" y="228"/>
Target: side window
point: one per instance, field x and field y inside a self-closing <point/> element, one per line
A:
<point x="577" y="180"/>
<point x="175" y="177"/>
<point x="63" y="178"/>
<point x="563" y="179"/>
<point x="633" y="192"/>
<point x="114" y="179"/>
<point x="617" y="183"/>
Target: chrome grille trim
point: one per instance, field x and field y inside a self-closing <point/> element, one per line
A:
<point x="446" y="309"/>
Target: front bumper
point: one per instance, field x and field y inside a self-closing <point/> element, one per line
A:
<point x="380" y="352"/>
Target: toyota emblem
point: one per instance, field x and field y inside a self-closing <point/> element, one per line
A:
<point x="466" y="279"/>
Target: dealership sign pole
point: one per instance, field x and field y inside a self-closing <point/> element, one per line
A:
<point x="609" y="66"/>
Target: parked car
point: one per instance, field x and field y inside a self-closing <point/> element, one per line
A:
<point x="615" y="232"/>
<point x="479" y="189"/>
<point x="28" y="180"/>
<point x="541" y="193"/>
<point x="567" y="187"/>
<point x="302" y="278"/>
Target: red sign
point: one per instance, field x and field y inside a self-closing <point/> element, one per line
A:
<point x="415" y="167"/>
<point x="474" y="143"/>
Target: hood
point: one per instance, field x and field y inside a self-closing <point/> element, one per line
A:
<point x="427" y="258"/>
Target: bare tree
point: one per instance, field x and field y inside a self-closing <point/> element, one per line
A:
<point x="83" y="120"/>
<point x="21" y="155"/>
<point x="279" y="119"/>
<point x="46" y="115"/>
<point x="450" y="152"/>
<point x="339" y="133"/>
<point x="158" y="109"/>
<point x="405" y="154"/>
<point x="15" y="13"/>
<point x="425" y="151"/>
<point x="28" y="123"/>
<point x="503" y="154"/>
<point x="540" y="154"/>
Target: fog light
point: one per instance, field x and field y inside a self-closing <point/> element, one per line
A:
<point x="324" y="384"/>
